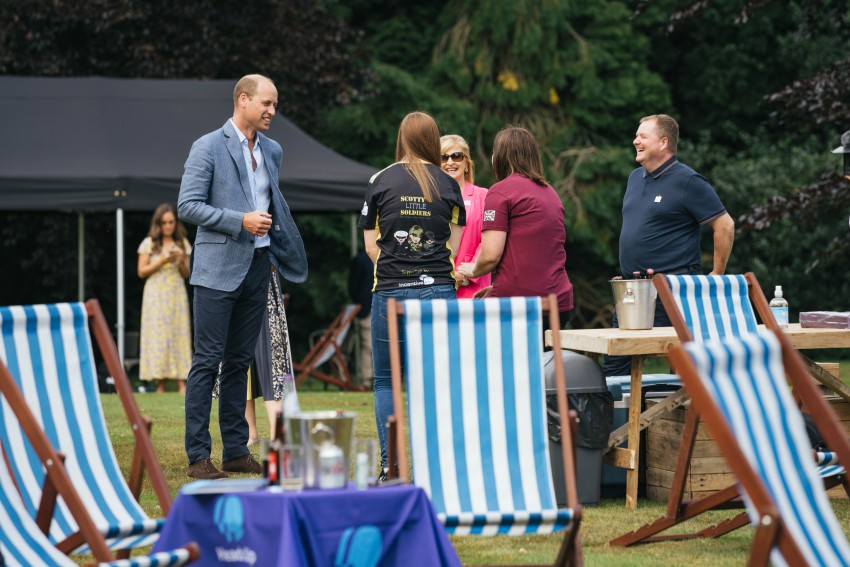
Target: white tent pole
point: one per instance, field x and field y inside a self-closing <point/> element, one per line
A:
<point x="81" y="257"/>
<point x="119" y="243"/>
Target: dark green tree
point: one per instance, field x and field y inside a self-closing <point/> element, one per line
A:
<point x="311" y="54"/>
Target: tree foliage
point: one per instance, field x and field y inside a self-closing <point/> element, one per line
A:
<point x="298" y="43"/>
<point x="815" y="102"/>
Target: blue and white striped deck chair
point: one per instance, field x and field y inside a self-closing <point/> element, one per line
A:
<point x="706" y="308"/>
<point x="23" y="544"/>
<point x="48" y="352"/>
<point x="739" y="386"/>
<point x="714" y="307"/>
<point x="477" y="417"/>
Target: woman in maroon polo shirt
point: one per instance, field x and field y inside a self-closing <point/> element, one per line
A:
<point x="523" y="236"/>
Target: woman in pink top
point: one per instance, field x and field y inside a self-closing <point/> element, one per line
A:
<point x="458" y="164"/>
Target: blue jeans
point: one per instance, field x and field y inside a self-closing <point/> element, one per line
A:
<point x="383" y="384"/>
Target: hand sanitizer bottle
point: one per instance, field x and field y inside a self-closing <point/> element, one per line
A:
<point x="779" y="308"/>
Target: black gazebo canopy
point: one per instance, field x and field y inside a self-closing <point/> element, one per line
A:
<point x="99" y="144"/>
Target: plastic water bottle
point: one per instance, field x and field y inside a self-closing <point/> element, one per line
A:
<point x="779" y="308"/>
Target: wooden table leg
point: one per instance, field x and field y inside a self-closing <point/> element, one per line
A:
<point x="825" y="378"/>
<point x="634" y="431"/>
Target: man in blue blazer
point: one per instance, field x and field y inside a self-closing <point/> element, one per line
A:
<point x="230" y="191"/>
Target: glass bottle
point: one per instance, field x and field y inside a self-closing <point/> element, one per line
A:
<point x="273" y="469"/>
<point x="779" y="308"/>
<point x="279" y="430"/>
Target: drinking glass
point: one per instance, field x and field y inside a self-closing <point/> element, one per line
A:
<point x="365" y="462"/>
<point x="292" y="467"/>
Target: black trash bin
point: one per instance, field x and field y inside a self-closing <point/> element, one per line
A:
<point x="588" y="395"/>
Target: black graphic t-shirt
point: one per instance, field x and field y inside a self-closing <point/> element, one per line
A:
<point x="413" y="234"/>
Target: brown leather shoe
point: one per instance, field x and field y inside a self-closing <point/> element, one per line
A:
<point x="204" y="469"/>
<point x="244" y="464"/>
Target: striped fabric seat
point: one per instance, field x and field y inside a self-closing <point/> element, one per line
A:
<point x="714" y="306"/>
<point x="23" y="544"/>
<point x="477" y="416"/>
<point x="745" y="379"/>
<point x="48" y="351"/>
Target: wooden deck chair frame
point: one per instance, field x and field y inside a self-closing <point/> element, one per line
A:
<point x="330" y="339"/>
<point x="58" y="484"/>
<point x="570" y="552"/>
<point x="144" y="459"/>
<point x="680" y="510"/>
<point x="770" y="531"/>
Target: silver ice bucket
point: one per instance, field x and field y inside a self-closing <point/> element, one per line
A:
<point x="301" y="430"/>
<point x="635" y="303"/>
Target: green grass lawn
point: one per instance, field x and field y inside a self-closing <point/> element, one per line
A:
<point x="601" y="523"/>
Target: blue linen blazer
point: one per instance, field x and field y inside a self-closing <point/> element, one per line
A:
<point x="214" y="193"/>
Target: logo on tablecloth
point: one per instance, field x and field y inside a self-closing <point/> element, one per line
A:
<point x="229" y="518"/>
<point x="359" y="547"/>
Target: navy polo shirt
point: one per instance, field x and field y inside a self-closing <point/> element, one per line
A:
<point x="662" y="215"/>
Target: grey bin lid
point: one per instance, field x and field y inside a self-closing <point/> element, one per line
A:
<point x="583" y="374"/>
<point x="621" y="385"/>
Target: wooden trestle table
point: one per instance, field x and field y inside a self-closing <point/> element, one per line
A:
<point x="655" y="342"/>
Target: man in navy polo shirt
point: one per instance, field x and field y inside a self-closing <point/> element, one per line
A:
<point x="664" y="208"/>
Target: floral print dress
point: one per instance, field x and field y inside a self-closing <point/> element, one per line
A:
<point x="166" y="336"/>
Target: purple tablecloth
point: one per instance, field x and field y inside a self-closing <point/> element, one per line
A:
<point x="346" y="528"/>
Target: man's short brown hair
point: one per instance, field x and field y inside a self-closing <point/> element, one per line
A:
<point x="248" y="85"/>
<point x="666" y="127"/>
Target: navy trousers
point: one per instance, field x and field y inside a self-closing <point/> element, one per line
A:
<point x="227" y="325"/>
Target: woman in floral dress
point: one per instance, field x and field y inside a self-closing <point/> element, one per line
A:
<point x="270" y="375"/>
<point x="166" y="339"/>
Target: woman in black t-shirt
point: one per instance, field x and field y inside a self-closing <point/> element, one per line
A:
<point x="412" y="220"/>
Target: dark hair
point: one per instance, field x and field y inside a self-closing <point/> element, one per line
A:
<point x="665" y="127"/>
<point x="419" y="141"/>
<point x="155" y="231"/>
<point x="515" y="151"/>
